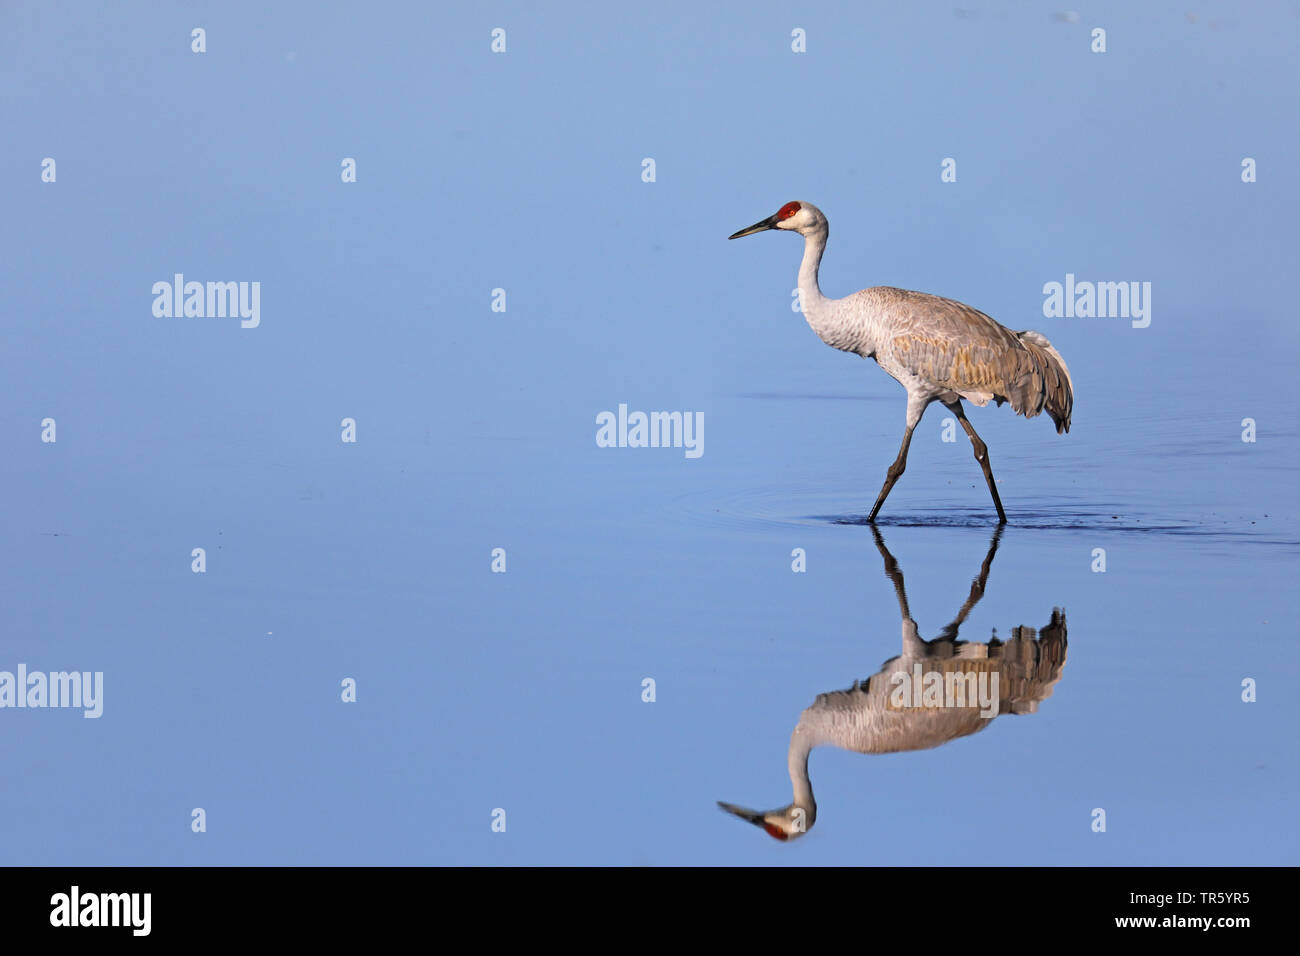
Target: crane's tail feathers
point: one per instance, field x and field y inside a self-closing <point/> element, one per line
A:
<point x="1032" y="667"/>
<point x="1047" y="387"/>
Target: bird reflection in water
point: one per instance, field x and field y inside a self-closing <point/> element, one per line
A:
<point x="892" y="711"/>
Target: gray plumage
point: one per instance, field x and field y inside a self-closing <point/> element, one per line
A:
<point x="965" y="353"/>
<point x="872" y="717"/>
<point x="938" y="349"/>
<point x="863" y="718"/>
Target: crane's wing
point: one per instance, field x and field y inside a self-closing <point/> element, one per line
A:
<point x="955" y="347"/>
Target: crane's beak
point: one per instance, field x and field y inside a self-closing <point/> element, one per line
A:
<point x="752" y="816"/>
<point x="768" y="223"/>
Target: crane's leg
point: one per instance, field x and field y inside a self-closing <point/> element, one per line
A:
<point x="915" y="409"/>
<point x="893" y="572"/>
<point x="913" y="643"/>
<point x="981" y="455"/>
<point x="976" y="587"/>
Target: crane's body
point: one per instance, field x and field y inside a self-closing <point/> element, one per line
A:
<point x="938" y="349"/>
<point x="875" y="717"/>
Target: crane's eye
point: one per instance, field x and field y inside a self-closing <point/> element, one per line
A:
<point x="788" y="210"/>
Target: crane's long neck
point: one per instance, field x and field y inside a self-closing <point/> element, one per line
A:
<point x="810" y="293"/>
<point x="818" y="310"/>
<point x="802" y="742"/>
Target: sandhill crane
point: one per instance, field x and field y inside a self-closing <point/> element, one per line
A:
<point x="868" y="717"/>
<point x="937" y="349"/>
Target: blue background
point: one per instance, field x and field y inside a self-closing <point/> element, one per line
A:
<point x="476" y="429"/>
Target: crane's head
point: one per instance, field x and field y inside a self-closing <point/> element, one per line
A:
<point x="788" y="823"/>
<point x="801" y="217"/>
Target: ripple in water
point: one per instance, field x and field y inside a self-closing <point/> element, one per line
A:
<point x="760" y="509"/>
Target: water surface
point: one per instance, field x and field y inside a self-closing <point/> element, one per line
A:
<point x="523" y="690"/>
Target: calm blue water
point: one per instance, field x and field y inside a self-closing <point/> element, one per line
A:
<point x="476" y="430"/>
